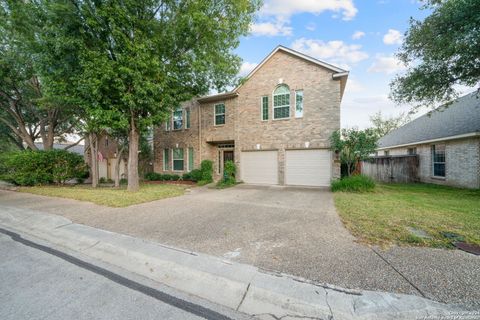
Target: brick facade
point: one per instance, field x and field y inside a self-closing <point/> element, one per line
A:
<point x="462" y="162"/>
<point x="244" y="129"/>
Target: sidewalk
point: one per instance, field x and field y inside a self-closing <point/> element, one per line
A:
<point x="296" y="232"/>
<point x="236" y="286"/>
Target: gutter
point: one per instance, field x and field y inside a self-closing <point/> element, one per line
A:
<point x="459" y="136"/>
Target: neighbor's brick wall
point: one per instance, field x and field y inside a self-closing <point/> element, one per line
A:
<point x="321" y="114"/>
<point x="462" y="164"/>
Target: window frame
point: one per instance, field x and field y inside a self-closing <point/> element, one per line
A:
<point x="173" y="119"/>
<point x="282" y="106"/>
<point x="178" y="159"/>
<point x="166" y="159"/>
<point x="220" y="114"/>
<point x="433" y="151"/>
<point x="296" y="100"/>
<point x="262" y="106"/>
<point x="412" y="151"/>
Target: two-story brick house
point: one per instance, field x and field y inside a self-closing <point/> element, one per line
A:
<point x="275" y="126"/>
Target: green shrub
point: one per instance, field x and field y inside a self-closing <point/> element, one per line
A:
<point x="123" y="181"/>
<point x="29" y="168"/>
<point x="206" y="168"/>
<point x="153" y="176"/>
<point x="102" y="180"/>
<point x="229" y="171"/>
<point x="358" y="183"/>
<point x="174" y="177"/>
<point x="196" y="174"/>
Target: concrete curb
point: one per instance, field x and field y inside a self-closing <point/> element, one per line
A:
<point x="237" y="286"/>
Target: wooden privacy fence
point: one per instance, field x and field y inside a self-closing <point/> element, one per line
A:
<point x="402" y="169"/>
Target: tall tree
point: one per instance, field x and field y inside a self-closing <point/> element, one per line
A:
<point x="442" y="52"/>
<point x="140" y="59"/>
<point x="383" y="125"/>
<point x="24" y="107"/>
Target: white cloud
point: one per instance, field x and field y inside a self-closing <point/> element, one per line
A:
<point x="246" y="68"/>
<point x="337" y="51"/>
<point x="287" y="8"/>
<point x="386" y="64"/>
<point x="392" y="37"/>
<point x="277" y="28"/>
<point x="357" y="35"/>
<point x="311" y="26"/>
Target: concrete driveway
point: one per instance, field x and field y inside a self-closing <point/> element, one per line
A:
<point x="291" y="230"/>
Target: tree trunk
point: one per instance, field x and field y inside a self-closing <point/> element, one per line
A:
<point x="133" y="138"/>
<point x="93" y="159"/>
<point x="118" y="160"/>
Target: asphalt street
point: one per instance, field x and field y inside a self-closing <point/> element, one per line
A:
<point x="40" y="282"/>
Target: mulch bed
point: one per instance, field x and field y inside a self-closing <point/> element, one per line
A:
<point x="184" y="182"/>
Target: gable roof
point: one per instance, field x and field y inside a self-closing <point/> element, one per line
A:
<point x="459" y="119"/>
<point x="337" y="72"/>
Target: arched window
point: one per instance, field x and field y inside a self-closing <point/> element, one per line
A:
<point x="281" y="102"/>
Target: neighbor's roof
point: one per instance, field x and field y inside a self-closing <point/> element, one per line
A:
<point x="79" y="148"/>
<point x="337" y="72"/>
<point x="459" y="119"/>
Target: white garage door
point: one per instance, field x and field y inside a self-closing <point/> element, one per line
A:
<point x="260" y="167"/>
<point x="308" y="167"/>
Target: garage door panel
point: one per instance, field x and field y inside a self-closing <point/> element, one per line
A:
<point x="259" y="167"/>
<point x="308" y="167"/>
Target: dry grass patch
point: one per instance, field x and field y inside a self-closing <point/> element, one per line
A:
<point x="384" y="216"/>
<point x="108" y="196"/>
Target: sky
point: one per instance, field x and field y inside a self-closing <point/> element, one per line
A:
<point x="361" y="36"/>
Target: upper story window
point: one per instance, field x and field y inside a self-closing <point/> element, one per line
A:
<point x="281" y="102"/>
<point x="219" y="114"/>
<point x="438" y="160"/>
<point x="187" y="118"/>
<point x="264" y="108"/>
<point x="298" y="103"/>
<point x="177" y="119"/>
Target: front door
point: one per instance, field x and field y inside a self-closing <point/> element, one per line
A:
<point x="227" y="156"/>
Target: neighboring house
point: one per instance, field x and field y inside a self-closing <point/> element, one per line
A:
<point x="447" y="142"/>
<point x="78" y="149"/>
<point x="275" y="126"/>
<point x="107" y="155"/>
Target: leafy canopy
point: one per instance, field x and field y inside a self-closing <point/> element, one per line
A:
<point x="383" y="125"/>
<point x="353" y="145"/>
<point x="442" y="52"/>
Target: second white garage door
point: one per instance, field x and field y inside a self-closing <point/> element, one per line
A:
<point x="308" y="167"/>
<point x="259" y="167"/>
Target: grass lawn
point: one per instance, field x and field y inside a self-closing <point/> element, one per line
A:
<point x="383" y="216"/>
<point x="108" y="196"/>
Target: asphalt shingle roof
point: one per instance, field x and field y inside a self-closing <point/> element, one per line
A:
<point x="460" y="117"/>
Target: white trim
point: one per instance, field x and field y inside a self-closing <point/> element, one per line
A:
<point x="337" y="70"/>
<point x="460" y="136"/>
<point x="339" y="75"/>
<point x="215" y="114"/>
<point x="289" y="102"/>
<point x="183" y="159"/>
<point x="188" y="114"/>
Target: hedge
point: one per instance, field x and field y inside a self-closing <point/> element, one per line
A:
<point x="28" y="168"/>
